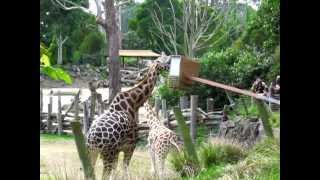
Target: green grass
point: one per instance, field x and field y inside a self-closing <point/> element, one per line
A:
<point x="54" y="137"/>
<point x="212" y="172"/>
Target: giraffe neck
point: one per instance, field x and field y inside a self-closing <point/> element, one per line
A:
<point x="152" y="119"/>
<point x="131" y="100"/>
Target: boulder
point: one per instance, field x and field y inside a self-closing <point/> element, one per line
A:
<point x="243" y="131"/>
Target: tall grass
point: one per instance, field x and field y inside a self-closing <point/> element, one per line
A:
<point x="262" y="163"/>
<point x="212" y="155"/>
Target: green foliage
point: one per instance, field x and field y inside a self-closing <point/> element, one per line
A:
<point x="75" y="24"/>
<point x="263" y="30"/>
<point x="52" y="72"/>
<point x="172" y="96"/>
<point x="56" y="74"/>
<point x="130" y="61"/>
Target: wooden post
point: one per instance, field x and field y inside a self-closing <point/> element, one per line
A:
<point x="184" y="102"/>
<point x="193" y="119"/>
<point x="93" y="101"/>
<point x="80" y="144"/>
<point x="224" y="111"/>
<point x="59" y="117"/>
<point x="41" y="106"/>
<point x="157" y="105"/>
<point x="164" y="112"/>
<point x="49" y="122"/>
<point x="100" y="103"/>
<point x="210" y="105"/>
<point x="76" y="107"/>
<point x="85" y="117"/>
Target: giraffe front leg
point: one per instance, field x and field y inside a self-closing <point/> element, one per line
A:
<point x="153" y="162"/>
<point x="161" y="168"/>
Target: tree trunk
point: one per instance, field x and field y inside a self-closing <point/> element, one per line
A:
<point x="112" y="30"/>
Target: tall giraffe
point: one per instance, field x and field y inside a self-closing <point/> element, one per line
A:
<point x="161" y="141"/>
<point x="115" y="130"/>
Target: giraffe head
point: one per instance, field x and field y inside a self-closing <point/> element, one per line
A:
<point x="162" y="63"/>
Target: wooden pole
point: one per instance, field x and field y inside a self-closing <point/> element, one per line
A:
<point x="49" y="122"/>
<point x="193" y="123"/>
<point x="157" y="104"/>
<point x="184" y="102"/>
<point x="164" y="112"/>
<point x="100" y="102"/>
<point x="93" y="101"/>
<point x="41" y="106"/>
<point x="210" y="105"/>
<point x="233" y="89"/>
<point x="80" y="144"/>
<point x="85" y="118"/>
<point x="59" y="117"/>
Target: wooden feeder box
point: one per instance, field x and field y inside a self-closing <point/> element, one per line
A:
<point x="180" y="69"/>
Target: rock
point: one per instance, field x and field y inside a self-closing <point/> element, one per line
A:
<point x="244" y="131"/>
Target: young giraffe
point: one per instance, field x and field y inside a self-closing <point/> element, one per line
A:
<point x="161" y="141"/>
<point x="115" y="130"/>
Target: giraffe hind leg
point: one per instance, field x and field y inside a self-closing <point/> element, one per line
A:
<point x="109" y="164"/>
<point x="126" y="160"/>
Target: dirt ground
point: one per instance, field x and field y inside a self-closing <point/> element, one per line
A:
<point x="59" y="160"/>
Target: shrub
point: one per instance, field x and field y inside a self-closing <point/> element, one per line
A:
<point x="212" y="155"/>
<point x="170" y="95"/>
<point x="220" y="152"/>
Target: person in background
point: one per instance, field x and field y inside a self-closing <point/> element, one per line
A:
<point x="259" y="87"/>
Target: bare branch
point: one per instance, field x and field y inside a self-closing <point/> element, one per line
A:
<point x="69" y="5"/>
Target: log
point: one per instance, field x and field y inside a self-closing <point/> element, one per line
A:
<point x="59" y="93"/>
<point x="193" y="126"/>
